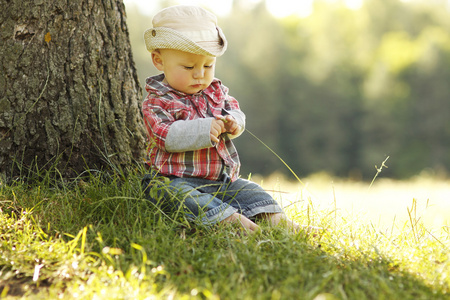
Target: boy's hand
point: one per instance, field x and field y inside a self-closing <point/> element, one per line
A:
<point x="223" y="124"/>
<point x="217" y="128"/>
<point x="231" y="126"/>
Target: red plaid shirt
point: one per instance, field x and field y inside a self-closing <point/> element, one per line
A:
<point x="178" y="127"/>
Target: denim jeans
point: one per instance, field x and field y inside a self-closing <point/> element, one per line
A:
<point x="209" y="202"/>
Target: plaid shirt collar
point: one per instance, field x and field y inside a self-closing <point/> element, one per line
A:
<point x="155" y="85"/>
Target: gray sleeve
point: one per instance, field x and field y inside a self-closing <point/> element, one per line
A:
<point x="189" y="135"/>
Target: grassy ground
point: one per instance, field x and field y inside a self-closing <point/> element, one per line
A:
<point x="98" y="238"/>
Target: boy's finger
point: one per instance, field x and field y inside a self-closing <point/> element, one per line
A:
<point x="214" y="138"/>
<point x="222" y="118"/>
<point x="229" y="118"/>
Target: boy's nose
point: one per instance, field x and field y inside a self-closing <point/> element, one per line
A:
<point x="199" y="73"/>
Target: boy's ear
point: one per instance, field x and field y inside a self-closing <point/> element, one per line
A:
<point x="157" y="60"/>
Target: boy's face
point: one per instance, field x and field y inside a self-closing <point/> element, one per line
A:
<point x="185" y="72"/>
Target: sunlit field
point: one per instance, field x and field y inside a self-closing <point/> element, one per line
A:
<point x="386" y="205"/>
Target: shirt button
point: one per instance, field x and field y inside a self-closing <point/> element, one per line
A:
<point x="153" y="32"/>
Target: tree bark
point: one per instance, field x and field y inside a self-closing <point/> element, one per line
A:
<point x="69" y="93"/>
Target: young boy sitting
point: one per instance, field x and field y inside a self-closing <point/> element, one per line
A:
<point x="191" y="122"/>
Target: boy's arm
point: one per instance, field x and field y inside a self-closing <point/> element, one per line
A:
<point x="173" y="135"/>
<point x="189" y="135"/>
<point x="196" y="134"/>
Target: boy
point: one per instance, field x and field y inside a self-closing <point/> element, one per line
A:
<point x="191" y="121"/>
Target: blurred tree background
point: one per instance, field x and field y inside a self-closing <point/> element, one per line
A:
<point x="338" y="90"/>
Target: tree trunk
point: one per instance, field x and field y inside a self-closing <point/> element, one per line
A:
<point x="69" y="93"/>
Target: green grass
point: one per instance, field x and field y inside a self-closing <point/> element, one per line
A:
<point x="98" y="238"/>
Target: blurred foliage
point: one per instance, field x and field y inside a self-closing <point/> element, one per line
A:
<point x="337" y="91"/>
